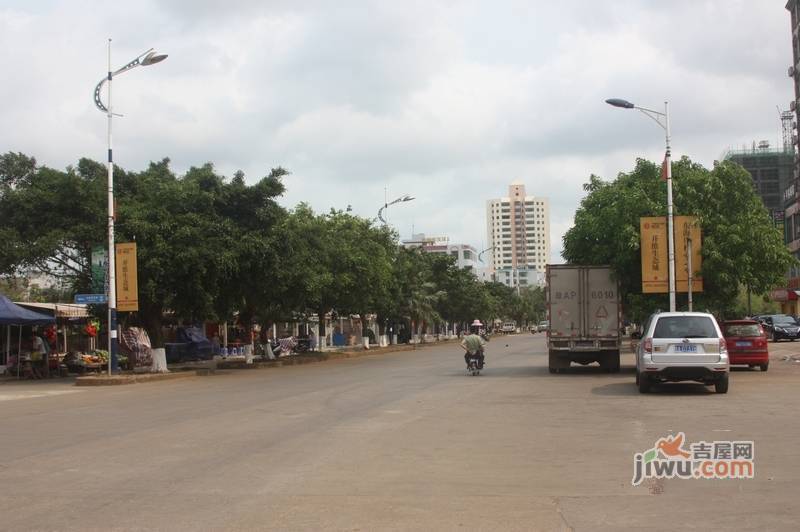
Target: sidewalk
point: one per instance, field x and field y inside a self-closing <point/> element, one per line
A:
<point x="12" y="389"/>
<point x="219" y="366"/>
<point x="336" y="354"/>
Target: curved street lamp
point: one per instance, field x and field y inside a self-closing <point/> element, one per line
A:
<point x="484" y="251"/>
<point x="386" y="205"/>
<point x="148" y="58"/>
<point x="662" y="119"/>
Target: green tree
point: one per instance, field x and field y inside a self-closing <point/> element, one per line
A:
<point x="51" y="219"/>
<point x="204" y="243"/>
<point x="740" y="244"/>
<point x="14" y="288"/>
<point x="337" y="262"/>
<point x="415" y="293"/>
<point x="251" y="285"/>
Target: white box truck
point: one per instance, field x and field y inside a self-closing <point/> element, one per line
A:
<point x="584" y="310"/>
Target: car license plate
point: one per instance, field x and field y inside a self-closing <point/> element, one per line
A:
<point x="686" y="348"/>
<point x="744" y="344"/>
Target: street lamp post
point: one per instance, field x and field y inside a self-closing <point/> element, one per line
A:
<point x="483" y="276"/>
<point x="149" y="57"/>
<point x="484" y="251"/>
<point x="662" y="119"/>
<point x="386" y="205"/>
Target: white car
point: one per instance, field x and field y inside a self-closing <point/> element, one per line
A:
<point x="682" y="346"/>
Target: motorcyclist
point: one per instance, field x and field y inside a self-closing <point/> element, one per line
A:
<point x="473" y="343"/>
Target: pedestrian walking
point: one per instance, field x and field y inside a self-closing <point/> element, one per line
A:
<point x="312" y="340"/>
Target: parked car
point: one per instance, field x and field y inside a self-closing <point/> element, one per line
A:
<point x="781" y="327"/>
<point x="747" y="343"/>
<point x="682" y="346"/>
<point x="508" y="327"/>
<point x="543" y="326"/>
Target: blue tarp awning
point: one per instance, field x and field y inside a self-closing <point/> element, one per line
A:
<point x="13" y="314"/>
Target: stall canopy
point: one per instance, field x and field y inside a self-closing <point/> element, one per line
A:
<point x="59" y="310"/>
<point x="12" y="314"/>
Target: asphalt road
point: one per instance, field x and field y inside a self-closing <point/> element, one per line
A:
<point x="396" y="441"/>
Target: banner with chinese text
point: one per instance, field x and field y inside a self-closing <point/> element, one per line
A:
<point x="127" y="283"/>
<point x="655" y="254"/>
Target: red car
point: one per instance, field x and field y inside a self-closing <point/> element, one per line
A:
<point x="747" y="343"/>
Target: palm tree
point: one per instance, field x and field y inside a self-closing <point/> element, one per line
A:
<point x="422" y="304"/>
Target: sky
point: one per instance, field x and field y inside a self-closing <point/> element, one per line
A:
<point x="448" y="101"/>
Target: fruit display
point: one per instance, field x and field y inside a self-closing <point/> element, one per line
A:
<point x="88" y="358"/>
<point x="79" y="362"/>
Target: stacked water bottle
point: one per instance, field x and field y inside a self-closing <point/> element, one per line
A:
<point x="233" y="351"/>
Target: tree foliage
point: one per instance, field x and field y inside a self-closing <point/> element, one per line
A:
<point x="212" y="247"/>
<point x="741" y="246"/>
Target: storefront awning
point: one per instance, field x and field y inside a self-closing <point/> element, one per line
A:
<point x="59" y="310"/>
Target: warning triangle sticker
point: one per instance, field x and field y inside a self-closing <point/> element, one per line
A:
<point x="602" y="312"/>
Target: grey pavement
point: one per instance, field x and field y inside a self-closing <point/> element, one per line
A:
<point x="397" y="441"/>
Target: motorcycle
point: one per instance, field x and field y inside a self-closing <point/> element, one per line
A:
<point x="474" y="364"/>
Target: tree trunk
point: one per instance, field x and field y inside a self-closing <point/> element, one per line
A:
<point x="321" y="329"/>
<point x="151" y="319"/>
<point x="246" y="321"/>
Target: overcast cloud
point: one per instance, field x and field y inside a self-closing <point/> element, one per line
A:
<point x="448" y="101"/>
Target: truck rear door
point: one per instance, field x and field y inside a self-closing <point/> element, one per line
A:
<point x="565" y="310"/>
<point x="600" y="300"/>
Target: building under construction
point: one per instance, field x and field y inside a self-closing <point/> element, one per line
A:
<point x="772" y="171"/>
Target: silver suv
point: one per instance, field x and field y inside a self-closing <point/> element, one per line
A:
<point x="682" y="346"/>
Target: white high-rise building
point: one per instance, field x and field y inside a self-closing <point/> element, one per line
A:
<point x="518" y="228"/>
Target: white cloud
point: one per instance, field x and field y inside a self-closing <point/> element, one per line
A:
<point x="448" y="101"/>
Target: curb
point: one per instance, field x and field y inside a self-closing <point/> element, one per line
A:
<point x="116" y="380"/>
<point x="295" y="360"/>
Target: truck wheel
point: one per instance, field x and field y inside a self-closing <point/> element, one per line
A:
<point x="764" y="367"/>
<point x="556" y="363"/>
<point x="610" y="362"/>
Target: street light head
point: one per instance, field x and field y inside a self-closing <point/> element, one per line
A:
<point x="408" y="198"/>
<point x="618" y="102"/>
<point x="152" y="58"/>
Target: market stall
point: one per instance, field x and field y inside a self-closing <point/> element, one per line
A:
<point x="73" y="339"/>
<point x="12" y="315"/>
<point x="71" y="319"/>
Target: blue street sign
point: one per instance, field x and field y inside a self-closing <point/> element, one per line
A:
<point x="91" y="298"/>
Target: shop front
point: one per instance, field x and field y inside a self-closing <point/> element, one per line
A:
<point x="789" y="299"/>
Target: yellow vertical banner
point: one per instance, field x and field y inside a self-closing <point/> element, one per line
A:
<point x="688" y="228"/>
<point x="655" y="257"/>
<point x="127" y="283"/>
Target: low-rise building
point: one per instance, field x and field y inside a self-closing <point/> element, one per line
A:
<point x="465" y="255"/>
